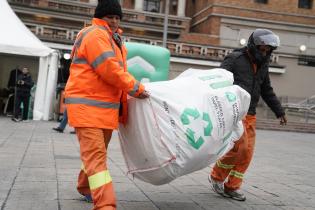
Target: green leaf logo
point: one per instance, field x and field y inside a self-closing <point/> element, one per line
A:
<point x="230" y="96"/>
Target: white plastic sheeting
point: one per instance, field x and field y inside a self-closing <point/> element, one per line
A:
<point x="185" y="125"/>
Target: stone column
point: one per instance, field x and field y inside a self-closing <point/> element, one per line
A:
<point x="139" y="5"/>
<point x="181" y="7"/>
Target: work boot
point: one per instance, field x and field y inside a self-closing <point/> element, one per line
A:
<point x="87" y="198"/>
<point x="234" y="194"/>
<point x="58" y="130"/>
<point x="216" y="186"/>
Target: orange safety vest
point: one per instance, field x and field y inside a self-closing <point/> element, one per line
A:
<point x="99" y="82"/>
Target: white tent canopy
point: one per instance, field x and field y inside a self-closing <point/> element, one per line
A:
<point x="17" y="39"/>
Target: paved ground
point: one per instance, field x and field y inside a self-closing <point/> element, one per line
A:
<point x="38" y="170"/>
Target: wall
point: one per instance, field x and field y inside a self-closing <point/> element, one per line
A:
<point x="177" y="68"/>
<point x="284" y="13"/>
<point x="291" y="37"/>
<point x="286" y="6"/>
<point x="297" y="81"/>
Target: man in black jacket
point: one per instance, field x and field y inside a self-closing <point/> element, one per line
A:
<point x="249" y="66"/>
<point x="23" y="91"/>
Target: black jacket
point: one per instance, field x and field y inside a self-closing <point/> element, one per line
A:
<point x="13" y="77"/>
<point x="24" y="89"/>
<point x="238" y="62"/>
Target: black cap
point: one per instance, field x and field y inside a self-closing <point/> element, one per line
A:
<point x="107" y="7"/>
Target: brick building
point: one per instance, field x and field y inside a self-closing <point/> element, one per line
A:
<point x="200" y="32"/>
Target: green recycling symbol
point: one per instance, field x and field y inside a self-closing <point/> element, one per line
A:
<point x="185" y="117"/>
<point x="230" y="96"/>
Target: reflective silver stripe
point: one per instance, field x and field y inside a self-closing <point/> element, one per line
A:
<point x="77" y="60"/>
<point x="135" y="89"/>
<point x="121" y="64"/>
<point x="78" y="43"/>
<point x="84" y="33"/>
<point x="100" y="59"/>
<point x="91" y="102"/>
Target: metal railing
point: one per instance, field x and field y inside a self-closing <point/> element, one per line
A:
<point x="64" y="35"/>
<point x="76" y="7"/>
<point x="60" y="6"/>
<point x="297" y="109"/>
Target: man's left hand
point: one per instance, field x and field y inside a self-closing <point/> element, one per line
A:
<point x="143" y="95"/>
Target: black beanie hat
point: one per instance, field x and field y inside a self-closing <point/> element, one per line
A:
<point x="107" y="7"/>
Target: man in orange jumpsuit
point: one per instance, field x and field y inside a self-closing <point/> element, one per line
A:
<point x="96" y="98"/>
<point x="249" y="66"/>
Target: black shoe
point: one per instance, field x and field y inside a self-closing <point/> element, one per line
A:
<point x="72" y="132"/>
<point x="58" y="130"/>
<point x="88" y="198"/>
<point x="16" y="119"/>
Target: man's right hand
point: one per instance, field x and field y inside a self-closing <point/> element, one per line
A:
<point x="143" y="95"/>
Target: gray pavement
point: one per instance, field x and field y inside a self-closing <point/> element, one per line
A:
<point x="38" y="171"/>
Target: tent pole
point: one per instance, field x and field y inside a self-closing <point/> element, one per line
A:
<point x="15" y="91"/>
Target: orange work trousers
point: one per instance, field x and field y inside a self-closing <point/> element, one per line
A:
<point x="234" y="164"/>
<point x="94" y="178"/>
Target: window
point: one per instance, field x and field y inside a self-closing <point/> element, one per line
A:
<point x="305" y="4"/>
<point x="151" y="5"/>
<point x="306" y="60"/>
<point x="261" y="1"/>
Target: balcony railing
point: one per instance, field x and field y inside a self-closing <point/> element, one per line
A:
<point x="57" y="5"/>
<point x="64" y="35"/>
<point x="155" y="18"/>
<point x="80" y="8"/>
<point x="55" y="34"/>
<point x="186" y="49"/>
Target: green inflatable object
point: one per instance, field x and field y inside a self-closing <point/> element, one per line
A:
<point x="148" y="63"/>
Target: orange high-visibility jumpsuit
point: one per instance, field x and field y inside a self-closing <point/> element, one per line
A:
<point x="233" y="165"/>
<point x="96" y="98"/>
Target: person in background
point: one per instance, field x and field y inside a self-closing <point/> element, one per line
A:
<point x="63" y="123"/>
<point x="23" y="92"/>
<point x="96" y="98"/>
<point x="14" y="73"/>
<point x="249" y="66"/>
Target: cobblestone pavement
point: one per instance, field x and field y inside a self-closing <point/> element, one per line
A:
<point x="38" y="171"/>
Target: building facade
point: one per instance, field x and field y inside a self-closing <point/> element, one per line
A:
<point x="199" y="33"/>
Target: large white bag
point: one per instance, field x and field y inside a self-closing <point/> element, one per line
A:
<point x="185" y="125"/>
